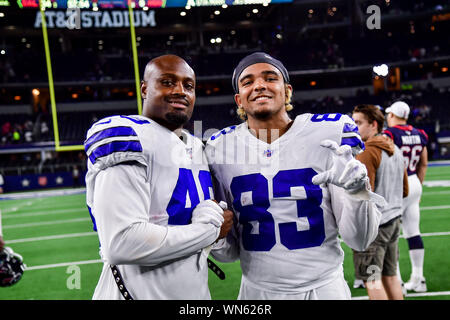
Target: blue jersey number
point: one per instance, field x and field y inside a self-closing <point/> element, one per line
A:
<point x="179" y="211"/>
<point x="326" y="117"/>
<point x="258" y="223"/>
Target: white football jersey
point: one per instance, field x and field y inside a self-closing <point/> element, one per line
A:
<point x="143" y="183"/>
<point x="286" y="228"/>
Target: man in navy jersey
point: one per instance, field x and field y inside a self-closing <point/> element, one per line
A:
<point x="412" y="142"/>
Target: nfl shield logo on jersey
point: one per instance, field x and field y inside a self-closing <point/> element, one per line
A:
<point x="189" y="152"/>
<point x="268" y="153"/>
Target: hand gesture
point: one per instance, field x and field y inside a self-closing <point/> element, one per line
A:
<point x="346" y="171"/>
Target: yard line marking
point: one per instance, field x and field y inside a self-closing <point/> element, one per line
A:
<point x="435" y="208"/>
<point x="59" y="236"/>
<point x="20" y="206"/>
<point x="432" y="193"/>
<point x="432" y="234"/>
<point x="437" y="183"/>
<point x="42" y="194"/>
<point x="46" y="207"/>
<point x="65" y="264"/>
<point x="429" y="294"/>
<point x="43" y="213"/>
<point x="425" y="294"/>
<point x="45" y="223"/>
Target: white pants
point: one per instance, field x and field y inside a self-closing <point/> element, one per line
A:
<point x="411" y="211"/>
<point x="337" y="289"/>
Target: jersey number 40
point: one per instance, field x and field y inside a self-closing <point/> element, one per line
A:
<point x="256" y="213"/>
<point x="179" y="208"/>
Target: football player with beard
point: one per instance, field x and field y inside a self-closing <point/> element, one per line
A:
<point x="149" y="193"/>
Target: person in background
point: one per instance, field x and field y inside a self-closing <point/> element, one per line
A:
<point x="377" y="265"/>
<point x="413" y="144"/>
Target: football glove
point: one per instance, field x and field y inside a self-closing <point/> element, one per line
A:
<point x="208" y="212"/>
<point x="346" y="171"/>
<point x="11" y="267"/>
<point x="205" y="252"/>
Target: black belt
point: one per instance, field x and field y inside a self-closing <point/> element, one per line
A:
<point x="215" y="268"/>
<point x="390" y="221"/>
<point x="126" y="294"/>
<point x="119" y="280"/>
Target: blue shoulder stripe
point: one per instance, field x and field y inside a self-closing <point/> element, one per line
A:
<point x="350" y="127"/>
<point x="353" y="142"/>
<point x="107" y="133"/>
<point x="92" y="218"/>
<point x="114" y="146"/>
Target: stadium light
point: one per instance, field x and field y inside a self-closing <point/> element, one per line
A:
<point x="381" y="70"/>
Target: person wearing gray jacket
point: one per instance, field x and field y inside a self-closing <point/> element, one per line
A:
<point x="377" y="265"/>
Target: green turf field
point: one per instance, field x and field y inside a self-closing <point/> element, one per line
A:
<point x="54" y="234"/>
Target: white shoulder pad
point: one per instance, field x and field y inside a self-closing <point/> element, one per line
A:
<point x="348" y="130"/>
<point x="115" y="139"/>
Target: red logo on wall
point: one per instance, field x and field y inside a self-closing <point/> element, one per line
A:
<point x="42" y="181"/>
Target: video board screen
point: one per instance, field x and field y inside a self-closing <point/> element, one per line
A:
<point x="109" y="4"/>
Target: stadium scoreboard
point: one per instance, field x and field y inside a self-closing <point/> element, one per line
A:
<point x="109" y="4"/>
